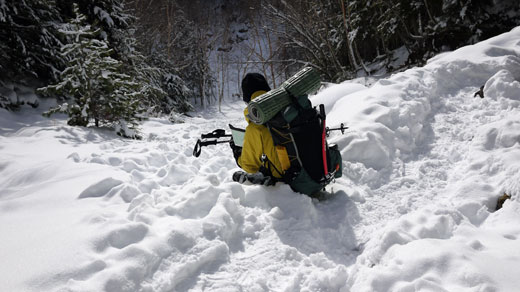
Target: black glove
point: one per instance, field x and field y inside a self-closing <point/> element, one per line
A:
<point x="254" y="178"/>
<point x="237" y="151"/>
<point x="240" y="176"/>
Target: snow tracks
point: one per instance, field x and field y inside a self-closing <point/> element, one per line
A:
<point x="179" y="223"/>
<point x="438" y="159"/>
<point x="424" y="161"/>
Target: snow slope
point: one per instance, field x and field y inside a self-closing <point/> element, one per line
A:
<point x="425" y="161"/>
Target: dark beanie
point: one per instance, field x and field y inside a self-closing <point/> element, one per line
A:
<point x="251" y="83"/>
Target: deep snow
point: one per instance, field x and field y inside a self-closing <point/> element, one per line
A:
<point x="424" y="163"/>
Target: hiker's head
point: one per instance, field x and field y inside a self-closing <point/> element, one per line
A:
<point x="253" y="85"/>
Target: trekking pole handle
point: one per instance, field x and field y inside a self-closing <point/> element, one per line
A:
<point x="198" y="146"/>
<point x="197" y="149"/>
<point x="218" y="133"/>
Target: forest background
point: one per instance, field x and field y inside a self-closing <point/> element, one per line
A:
<point x="115" y="62"/>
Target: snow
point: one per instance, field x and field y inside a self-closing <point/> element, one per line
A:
<point x="82" y="209"/>
<point x="104" y="16"/>
<point x="18" y="95"/>
<point x="3" y="10"/>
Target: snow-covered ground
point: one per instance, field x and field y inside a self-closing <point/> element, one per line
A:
<point x="424" y="163"/>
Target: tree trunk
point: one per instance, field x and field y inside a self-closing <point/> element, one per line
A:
<point x="350" y="52"/>
<point x="361" y="59"/>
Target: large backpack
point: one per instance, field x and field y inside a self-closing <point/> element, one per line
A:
<point x="299" y="136"/>
<point x="299" y="133"/>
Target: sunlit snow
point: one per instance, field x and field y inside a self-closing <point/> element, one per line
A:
<point x="82" y="209"/>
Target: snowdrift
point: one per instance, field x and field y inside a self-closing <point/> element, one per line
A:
<point x="424" y="163"/>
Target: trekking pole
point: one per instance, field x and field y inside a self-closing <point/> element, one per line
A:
<point x="342" y="128"/>
<point x="216" y="134"/>
<point x="198" y="147"/>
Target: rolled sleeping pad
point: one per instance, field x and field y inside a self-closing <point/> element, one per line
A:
<point x="264" y="107"/>
<point x="306" y="81"/>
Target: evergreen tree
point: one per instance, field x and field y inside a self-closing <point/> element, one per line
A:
<point x="29" y="45"/>
<point x="94" y="82"/>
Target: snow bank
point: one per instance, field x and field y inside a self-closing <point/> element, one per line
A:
<point x="392" y="119"/>
<point x="461" y="244"/>
<point x="441" y="250"/>
<point x="329" y="95"/>
<point x="503" y="85"/>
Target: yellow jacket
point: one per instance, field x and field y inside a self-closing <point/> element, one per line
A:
<point x="258" y="141"/>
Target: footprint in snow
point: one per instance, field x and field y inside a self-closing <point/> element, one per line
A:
<point x="115" y="161"/>
<point x="100" y="189"/>
<point x="128" y="193"/>
<point x="510" y="236"/>
<point x="156" y="160"/>
<point x="126" y="235"/>
<point x="74" y="156"/>
<point x="121" y="236"/>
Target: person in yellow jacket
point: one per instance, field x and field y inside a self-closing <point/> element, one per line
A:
<point x="257" y="139"/>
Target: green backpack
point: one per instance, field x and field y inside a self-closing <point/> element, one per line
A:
<point x="299" y="134"/>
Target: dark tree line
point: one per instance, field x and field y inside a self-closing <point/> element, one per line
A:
<point x="177" y="42"/>
<point x="345" y="38"/>
<point x="37" y="37"/>
<point x="29" y="44"/>
<point x="158" y="52"/>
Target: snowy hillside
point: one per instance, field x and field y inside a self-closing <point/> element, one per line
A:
<point x="424" y="163"/>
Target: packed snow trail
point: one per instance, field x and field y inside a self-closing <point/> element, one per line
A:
<point x="424" y="162"/>
<point x="193" y="228"/>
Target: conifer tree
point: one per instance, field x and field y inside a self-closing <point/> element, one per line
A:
<point x="94" y="84"/>
<point x="29" y="45"/>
